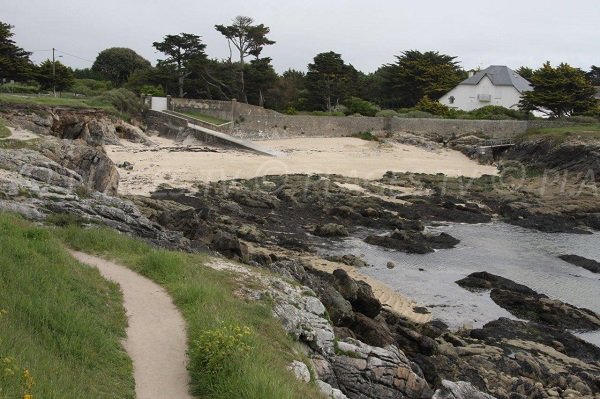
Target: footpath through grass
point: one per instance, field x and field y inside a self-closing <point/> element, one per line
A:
<point x="238" y="349"/>
<point x="61" y="321"/>
<point x="561" y="134"/>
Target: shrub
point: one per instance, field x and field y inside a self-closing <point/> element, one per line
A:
<point x="156" y="91"/>
<point x="325" y="113"/>
<point x="433" y="107"/>
<point x="496" y="112"/>
<point x="291" y="111"/>
<point x="123" y="100"/>
<point x="90" y="87"/>
<point x="359" y="106"/>
<point x="582" y="119"/>
<point x="387" y="113"/>
<point x="418" y="114"/>
<point x="368" y="136"/>
<point x="215" y="349"/>
<point x="20" y="88"/>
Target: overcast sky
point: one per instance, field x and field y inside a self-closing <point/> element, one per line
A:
<point x="366" y="33"/>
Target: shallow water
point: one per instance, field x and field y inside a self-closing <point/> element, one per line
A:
<point x="525" y="256"/>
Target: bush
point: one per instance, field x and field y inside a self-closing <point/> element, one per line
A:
<point x="20" y="88"/>
<point x="214" y="349"/>
<point x="582" y="119"/>
<point x="368" y="136"/>
<point x="359" y="106"/>
<point x="123" y="100"/>
<point x="433" y="107"/>
<point x="90" y="87"/>
<point x="418" y="114"/>
<point x="156" y="91"/>
<point x="387" y="113"/>
<point x="325" y="113"/>
<point x="496" y="112"/>
<point x="291" y="111"/>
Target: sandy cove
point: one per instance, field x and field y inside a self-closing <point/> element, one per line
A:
<point x="346" y="156"/>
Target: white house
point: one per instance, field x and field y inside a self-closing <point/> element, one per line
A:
<point x="495" y="85"/>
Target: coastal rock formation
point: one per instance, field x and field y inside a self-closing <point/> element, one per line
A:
<point x="588" y="264"/>
<point x="525" y="303"/>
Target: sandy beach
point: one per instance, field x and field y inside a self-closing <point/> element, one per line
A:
<point x="347" y="156"/>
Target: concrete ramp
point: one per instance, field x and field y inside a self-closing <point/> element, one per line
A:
<point x="233" y="141"/>
<point x="207" y="135"/>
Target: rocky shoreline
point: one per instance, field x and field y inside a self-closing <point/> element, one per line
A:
<point x="358" y="347"/>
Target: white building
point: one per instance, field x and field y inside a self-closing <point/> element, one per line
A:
<point x="495" y="85"/>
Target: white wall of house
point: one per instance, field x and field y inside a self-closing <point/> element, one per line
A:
<point x="470" y="97"/>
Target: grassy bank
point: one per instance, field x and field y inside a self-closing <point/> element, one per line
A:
<point x="4" y="132"/>
<point x="203" y="117"/>
<point x="238" y="349"/>
<point x="561" y="134"/>
<point x="62" y="321"/>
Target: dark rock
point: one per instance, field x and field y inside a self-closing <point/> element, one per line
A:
<point x="371" y="332"/>
<point x="350" y="260"/>
<point x="405" y="243"/>
<point x="391" y="265"/>
<point x="442" y="241"/>
<point x="580" y="261"/>
<point x="486" y="281"/>
<point x="330" y="230"/>
<point x="230" y="246"/>
<point x="547" y="311"/>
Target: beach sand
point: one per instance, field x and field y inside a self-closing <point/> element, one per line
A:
<point x="346" y="156"/>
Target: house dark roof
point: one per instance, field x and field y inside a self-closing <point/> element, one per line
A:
<point x="500" y="75"/>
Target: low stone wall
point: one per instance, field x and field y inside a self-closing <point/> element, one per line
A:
<point x="255" y="123"/>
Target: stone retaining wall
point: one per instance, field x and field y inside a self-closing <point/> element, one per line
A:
<point x="253" y="123"/>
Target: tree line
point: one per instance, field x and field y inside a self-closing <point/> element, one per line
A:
<point x="415" y="80"/>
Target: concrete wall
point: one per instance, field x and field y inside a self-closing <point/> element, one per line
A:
<point x="465" y="96"/>
<point x="225" y="110"/>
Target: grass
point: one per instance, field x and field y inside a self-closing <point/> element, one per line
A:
<point x="206" y="298"/>
<point x="561" y="134"/>
<point x="203" y="117"/>
<point x="4" y="132"/>
<point x="63" y="321"/>
<point x="57" y="102"/>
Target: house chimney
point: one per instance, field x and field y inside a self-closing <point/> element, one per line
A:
<point x="471" y="73"/>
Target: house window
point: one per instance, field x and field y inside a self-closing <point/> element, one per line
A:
<point x="451" y="99"/>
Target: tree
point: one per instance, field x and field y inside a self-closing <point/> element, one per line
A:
<point x="525" y="72"/>
<point x="14" y="61"/>
<point x="60" y="77"/>
<point x="248" y="39"/>
<point x="260" y="78"/>
<point x="181" y="50"/>
<point x="415" y="75"/>
<point x="594" y="75"/>
<point x="328" y="81"/>
<point x="117" y="63"/>
<point x="560" y="91"/>
<point x="288" y="91"/>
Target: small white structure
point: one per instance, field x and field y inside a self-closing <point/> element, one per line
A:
<point x="495" y="85"/>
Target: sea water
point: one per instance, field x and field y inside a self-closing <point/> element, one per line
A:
<point x="525" y="256"/>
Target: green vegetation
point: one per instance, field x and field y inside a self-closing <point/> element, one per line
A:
<point x="356" y="105"/>
<point x="206" y="298"/>
<point x="119" y="101"/>
<point x="4" y="132"/>
<point x="20" y="88"/>
<point x="368" y="136"/>
<point x="203" y="117"/>
<point x="63" y="322"/>
<point x="561" y="134"/>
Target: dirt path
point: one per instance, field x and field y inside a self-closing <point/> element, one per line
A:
<point x="156" y="337"/>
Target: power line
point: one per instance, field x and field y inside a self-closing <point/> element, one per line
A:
<point x="75" y="56"/>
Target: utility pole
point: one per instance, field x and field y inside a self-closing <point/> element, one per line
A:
<point x="53" y="73"/>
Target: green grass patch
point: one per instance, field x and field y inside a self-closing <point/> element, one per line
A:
<point x="561" y="134"/>
<point x="368" y="136"/>
<point x="56" y="101"/>
<point x="238" y="348"/>
<point x="4" y="132"/>
<point x="63" y="321"/>
<point x="203" y="117"/>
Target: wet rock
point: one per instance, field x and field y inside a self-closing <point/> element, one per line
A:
<point x="410" y="243"/>
<point x="547" y="311"/>
<point x="390" y="265"/>
<point x="486" y="281"/>
<point x="580" y="261"/>
<point x="442" y="241"/>
<point x="330" y="230"/>
<point x="350" y="260"/>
